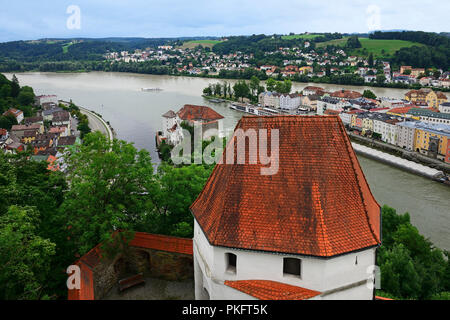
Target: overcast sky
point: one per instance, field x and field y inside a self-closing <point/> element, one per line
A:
<point x="33" y="19"/>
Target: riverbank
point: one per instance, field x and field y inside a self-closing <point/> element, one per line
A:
<point x="96" y="122"/>
<point x="411" y="156"/>
<point x="311" y="81"/>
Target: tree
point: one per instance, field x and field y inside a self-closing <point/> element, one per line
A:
<point x="241" y="89"/>
<point x="254" y="85"/>
<point x="15" y="87"/>
<point x="109" y="183"/>
<point x="25" y="256"/>
<point x="370" y="60"/>
<point x="353" y="42"/>
<point x="369" y="94"/>
<point x="380" y="79"/>
<point x="270" y="84"/>
<point x="398" y="275"/>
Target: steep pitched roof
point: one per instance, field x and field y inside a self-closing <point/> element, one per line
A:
<point x="272" y="290"/>
<point x="169" y="114"/>
<point x="318" y="203"/>
<point x="193" y="112"/>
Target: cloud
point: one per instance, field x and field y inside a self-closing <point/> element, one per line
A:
<point x="172" y="18"/>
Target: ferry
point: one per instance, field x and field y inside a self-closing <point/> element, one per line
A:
<point x="151" y="89"/>
<point x="255" y="110"/>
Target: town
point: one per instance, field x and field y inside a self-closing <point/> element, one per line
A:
<point x="299" y="63"/>
<point x="47" y="135"/>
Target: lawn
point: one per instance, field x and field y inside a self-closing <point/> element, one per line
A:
<point x="65" y="47"/>
<point x="205" y="43"/>
<point x="300" y="36"/>
<point x="374" y="46"/>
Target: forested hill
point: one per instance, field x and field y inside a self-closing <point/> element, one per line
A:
<point x="72" y="49"/>
<point x="435" y="53"/>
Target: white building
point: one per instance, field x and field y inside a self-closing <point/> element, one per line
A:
<point x="210" y="121"/>
<point x="406" y="134"/>
<point x="444" y="107"/>
<point x="287" y="235"/>
<point x="46" y="99"/>
<point x="387" y="129"/>
<point x="289" y="101"/>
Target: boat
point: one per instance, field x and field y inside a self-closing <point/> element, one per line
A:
<point x="249" y="108"/>
<point x="151" y="89"/>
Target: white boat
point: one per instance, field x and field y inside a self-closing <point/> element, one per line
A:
<point x="151" y="89"/>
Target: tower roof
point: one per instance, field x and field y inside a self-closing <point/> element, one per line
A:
<point x="318" y="203"/>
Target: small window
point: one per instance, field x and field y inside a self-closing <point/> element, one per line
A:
<point x="231" y="260"/>
<point x="292" y="266"/>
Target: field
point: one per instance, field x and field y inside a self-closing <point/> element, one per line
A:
<point x="65" y="48"/>
<point x="300" y="36"/>
<point x="194" y="43"/>
<point x="374" y="46"/>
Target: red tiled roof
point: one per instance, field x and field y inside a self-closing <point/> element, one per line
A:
<point x="400" y="110"/>
<point x="162" y="242"/>
<point x="193" y="112"/>
<point x="272" y="290"/>
<point x="318" y="203"/>
<point x="346" y="94"/>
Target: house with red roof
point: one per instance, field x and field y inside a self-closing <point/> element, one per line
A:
<point x="308" y="231"/>
<point x="209" y="120"/>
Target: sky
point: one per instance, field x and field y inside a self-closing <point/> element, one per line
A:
<point x="32" y="19"/>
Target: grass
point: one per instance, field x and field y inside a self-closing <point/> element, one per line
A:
<point x="204" y="43"/>
<point x="374" y="46"/>
<point x="300" y="36"/>
<point x="65" y="48"/>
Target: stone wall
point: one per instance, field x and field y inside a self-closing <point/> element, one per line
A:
<point x="152" y="263"/>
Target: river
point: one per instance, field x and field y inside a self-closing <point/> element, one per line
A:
<point x="136" y="116"/>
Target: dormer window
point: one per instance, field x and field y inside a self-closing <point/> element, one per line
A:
<point x="292" y="267"/>
<point x="231" y="260"/>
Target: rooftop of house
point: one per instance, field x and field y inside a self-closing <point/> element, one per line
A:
<point x="195" y="113"/>
<point x="428" y="113"/>
<point x="23" y="127"/>
<point x="272" y="290"/>
<point x="318" y="203"/>
<point x="169" y="114"/>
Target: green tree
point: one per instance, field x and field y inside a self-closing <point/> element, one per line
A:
<point x="369" y="94"/>
<point x="24" y="255"/>
<point x="254" y="85"/>
<point x="108" y="190"/>
<point x="353" y="42"/>
<point x="15" y="87"/>
<point x="398" y="275"/>
<point x="270" y="84"/>
<point x="370" y="60"/>
<point x="241" y="89"/>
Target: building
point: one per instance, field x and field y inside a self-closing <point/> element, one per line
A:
<point x="19" y="130"/>
<point x="309" y="231"/>
<point x="431" y="98"/>
<point x="406" y="134"/>
<point x="290" y="101"/>
<point x="429" y="116"/>
<point x="210" y="121"/>
<point x="309" y="90"/>
<point x="346" y="94"/>
<point x="433" y="140"/>
<point x="330" y="103"/>
<point x="18" y="114"/>
<point x="46" y="99"/>
<point x="269" y="99"/>
<point x="444" y="107"/>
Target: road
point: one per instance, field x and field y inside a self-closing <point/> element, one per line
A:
<point x="97" y="124"/>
